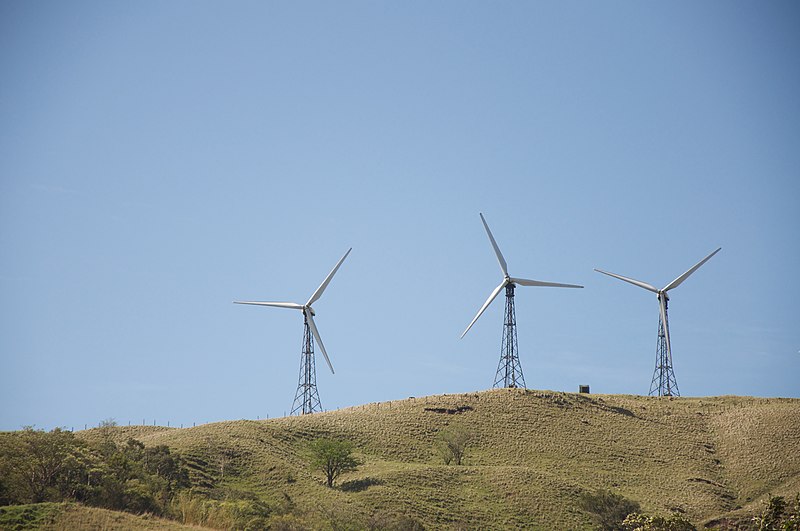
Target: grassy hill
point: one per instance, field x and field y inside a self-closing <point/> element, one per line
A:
<point x="533" y="454"/>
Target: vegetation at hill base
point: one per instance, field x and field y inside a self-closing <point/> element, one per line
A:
<point x="36" y="466"/>
<point x="778" y="515"/>
<point x="534" y="460"/>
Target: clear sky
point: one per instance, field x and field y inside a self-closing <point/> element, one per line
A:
<point x="159" y="160"/>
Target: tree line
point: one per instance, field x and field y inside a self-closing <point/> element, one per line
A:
<point x="55" y="466"/>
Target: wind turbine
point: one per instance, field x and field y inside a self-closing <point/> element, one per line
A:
<point x="306" y="399"/>
<point x="509" y="370"/>
<point x="664" y="381"/>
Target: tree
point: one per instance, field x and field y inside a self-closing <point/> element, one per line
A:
<point x="159" y="461"/>
<point x="108" y="424"/>
<point x="35" y="462"/>
<point x="332" y="458"/>
<point x="452" y="443"/>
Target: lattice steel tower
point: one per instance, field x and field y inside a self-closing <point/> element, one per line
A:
<point x="306" y="399"/>
<point x="664" y="382"/>
<point x="509" y="370"/>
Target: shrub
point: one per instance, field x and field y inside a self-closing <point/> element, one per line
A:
<point x="641" y="522"/>
<point x="779" y="516"/>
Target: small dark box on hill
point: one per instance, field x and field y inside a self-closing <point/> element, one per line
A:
<point x="583" y="389"/>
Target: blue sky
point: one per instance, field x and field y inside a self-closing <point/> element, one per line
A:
<point x="160" y="159"/>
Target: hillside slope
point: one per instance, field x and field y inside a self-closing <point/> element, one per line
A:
<point x="72" y="516"/>
<point x="533" y="454"/>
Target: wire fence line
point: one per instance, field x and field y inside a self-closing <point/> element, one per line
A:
<point x="169" y="424"/>
<point x="154" y="423"/>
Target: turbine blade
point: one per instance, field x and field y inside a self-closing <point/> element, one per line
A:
<point x="500" y="259"/>
<point x="317" y="294"/>
<point x="526" y="282"/>
<point x="662" y="304"/>
<point x="314" y="331"/>
<point x="677" y="282"/>
<point x="639" y="283"/>
<point x="292" y="305"/>
<point x="486" y="305"/>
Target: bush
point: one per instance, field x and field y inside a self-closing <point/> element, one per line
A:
<point x="641" y="522"/>
<point x="779" y="516"/>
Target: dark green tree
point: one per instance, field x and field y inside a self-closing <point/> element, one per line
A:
<point x="159" y="461"/>
<point x="35" y="462"/>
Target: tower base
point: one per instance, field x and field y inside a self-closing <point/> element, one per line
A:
<point x="306" y="399"/>
<point x="509" y="370"/>
<point x="664" y="382"/>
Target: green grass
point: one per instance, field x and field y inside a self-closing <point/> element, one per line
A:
<point x="33" y="516"/>
<point x="533" y="454"/>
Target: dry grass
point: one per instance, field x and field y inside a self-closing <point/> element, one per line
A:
<point x="534" y="452"/>
<point x="81" y="517"/>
